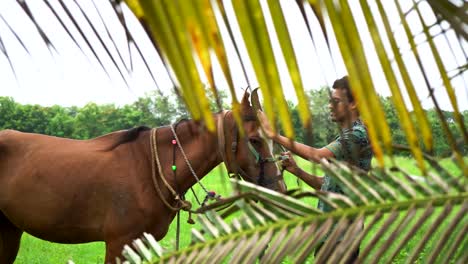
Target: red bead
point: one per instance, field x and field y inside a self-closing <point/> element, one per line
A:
<point x="174" y="142"/>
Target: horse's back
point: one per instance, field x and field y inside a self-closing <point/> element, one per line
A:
<point x="60" y="183"/>
<point x="27" y="156"/>
<point x="22" y="154"/>
<point x="16" y="140"/>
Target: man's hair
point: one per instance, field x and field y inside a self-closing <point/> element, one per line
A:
<point x="343" y="83"/>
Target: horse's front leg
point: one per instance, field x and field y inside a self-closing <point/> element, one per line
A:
<point x="10" y="237"/>
<point x="115" y="247"/>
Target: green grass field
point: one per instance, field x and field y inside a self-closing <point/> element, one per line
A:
<point x="34" y="250"/>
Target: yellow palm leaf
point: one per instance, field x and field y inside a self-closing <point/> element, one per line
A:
<point x="290" y="58"/>
<point x="254" y="31"/>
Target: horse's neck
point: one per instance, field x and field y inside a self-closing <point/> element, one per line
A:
<point x="201" y="154"/>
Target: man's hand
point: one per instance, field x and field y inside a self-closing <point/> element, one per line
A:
<point x="289" y="163"/>
<point x="265" y="124"/>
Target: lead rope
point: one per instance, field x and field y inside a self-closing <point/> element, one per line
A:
<point x="186" y="160"/>
<point x="209" y="194"/>
<point x="177" y="142"/>
<point x="185" y="205"/>
<point x="174" y="168"/>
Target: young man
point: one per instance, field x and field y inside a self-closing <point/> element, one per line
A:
<point x="352" y="145"/>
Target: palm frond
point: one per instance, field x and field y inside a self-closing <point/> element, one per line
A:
<point x="424" y="217"/>
<point x="403" y="112"/>
<point x="291" y="61"/>
<point x="80" y="24"/>
<point x="453" y="13"/>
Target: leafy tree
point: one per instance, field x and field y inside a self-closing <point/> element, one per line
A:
<point x="7" y="111"/>
<point x="398" y="136"/>
<point x="31" y="118"/>
<point x="323" y="129"/>
<point x="61" y="123"/>
<point x="298" y="129"/>
<point x="164" y="111"/>
<point x="141" y="112"/>
<point x="442" y="147"/>
<point x="89" y="122"/>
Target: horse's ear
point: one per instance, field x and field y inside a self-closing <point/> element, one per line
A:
<point x="255" y="100"/>
<point x="245" y="99"/>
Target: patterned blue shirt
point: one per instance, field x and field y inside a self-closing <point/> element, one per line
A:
<point x="352" y="146"/>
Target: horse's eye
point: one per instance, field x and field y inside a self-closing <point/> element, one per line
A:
<point x="255" y="142"/>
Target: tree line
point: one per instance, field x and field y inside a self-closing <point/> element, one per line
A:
<point x="91" y="120"/>
<point x="155" y="110"/>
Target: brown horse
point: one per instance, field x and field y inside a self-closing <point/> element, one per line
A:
<point x="111" y="188"/>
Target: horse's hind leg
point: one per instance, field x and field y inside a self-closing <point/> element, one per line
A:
<point x="10" y="237"/>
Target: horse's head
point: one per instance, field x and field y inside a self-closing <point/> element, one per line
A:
<point x="250" y="155"/>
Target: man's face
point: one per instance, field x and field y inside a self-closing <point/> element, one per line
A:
<point x="339" y="105"/>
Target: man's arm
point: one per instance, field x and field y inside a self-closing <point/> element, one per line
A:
<point x="302" y="150"/>
<point x="291" y="166"/>
<point x="311" y="180"/>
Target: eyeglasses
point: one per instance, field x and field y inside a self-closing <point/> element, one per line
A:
<point x="334" y="101"/>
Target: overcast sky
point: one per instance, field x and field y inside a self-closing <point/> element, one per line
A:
<point x="70" y="76"/>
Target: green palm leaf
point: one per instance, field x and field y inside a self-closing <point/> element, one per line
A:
<point x="401" y="212"/>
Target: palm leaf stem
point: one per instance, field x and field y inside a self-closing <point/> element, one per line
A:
<point x="392" y="207"/>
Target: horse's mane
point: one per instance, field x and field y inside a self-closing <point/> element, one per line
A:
<point x="128" y="135"/>
<point x="131" y="134"/>
<point x="180" y="121"/>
